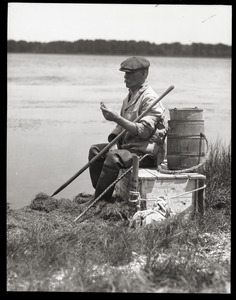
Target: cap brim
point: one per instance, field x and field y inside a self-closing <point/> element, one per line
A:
<point x="126" y="70"/>
<point x="129" y="70"/>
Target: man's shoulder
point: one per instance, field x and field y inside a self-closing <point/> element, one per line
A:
<point x="149" y="92"/>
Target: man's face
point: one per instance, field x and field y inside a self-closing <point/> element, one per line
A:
<point x="134" y="79"/>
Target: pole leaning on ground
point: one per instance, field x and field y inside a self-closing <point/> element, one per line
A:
<point x="111" y="143"/>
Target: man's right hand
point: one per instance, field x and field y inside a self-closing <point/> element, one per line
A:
<point x="109" y="115"/>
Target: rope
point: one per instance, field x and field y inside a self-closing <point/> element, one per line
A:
<point x="202" y="135"/>
<point x="168" y="198"/>
<point x="110" y="186"/>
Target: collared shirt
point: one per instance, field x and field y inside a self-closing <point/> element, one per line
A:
<point x="134" y="107"/>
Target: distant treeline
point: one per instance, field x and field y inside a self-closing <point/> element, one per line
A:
<point x="114" y="47"/>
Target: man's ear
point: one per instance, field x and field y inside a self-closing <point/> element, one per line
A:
<point x="145" y="73"/>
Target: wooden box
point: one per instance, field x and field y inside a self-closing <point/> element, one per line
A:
<point x="178" y="189"/>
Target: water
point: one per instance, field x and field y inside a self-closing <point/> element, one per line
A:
<point x="54" y="115"/>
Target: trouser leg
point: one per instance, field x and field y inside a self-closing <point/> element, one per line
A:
<point x="104" y="171"/>
<point x="115" y="160"/>
<point x="96" y="167"/>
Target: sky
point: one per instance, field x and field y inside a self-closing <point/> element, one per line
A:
<point x="186" y="24"/>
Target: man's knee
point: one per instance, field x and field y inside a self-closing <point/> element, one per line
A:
<point x="95" y="149"/>
<point x="112" y="161"/>
<point x="117" y="159"/>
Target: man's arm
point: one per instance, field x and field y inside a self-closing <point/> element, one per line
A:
<point x="126" y="124"/>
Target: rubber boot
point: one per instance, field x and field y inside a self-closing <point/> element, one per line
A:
<point x="107" y="177"/>
<point x="96" y="168"/>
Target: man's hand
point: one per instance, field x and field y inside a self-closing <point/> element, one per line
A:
<point x="115" y="117"/>
<point x="109" y="115"/>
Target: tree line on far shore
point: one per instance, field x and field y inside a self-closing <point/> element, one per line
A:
<point x="114" y="47"/>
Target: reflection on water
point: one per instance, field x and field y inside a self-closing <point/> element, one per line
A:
<point x="54" y="112"/>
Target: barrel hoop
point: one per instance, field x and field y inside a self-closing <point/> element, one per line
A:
<point x="186" y="121"/>
<point x="186" y="109"/>
<point x="185" y="155"/>
<point x="175" y="136"/>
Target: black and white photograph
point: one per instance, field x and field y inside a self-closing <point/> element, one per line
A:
<point x="118" y="167"/>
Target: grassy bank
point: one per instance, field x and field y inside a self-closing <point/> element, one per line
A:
<point x="47" y="251"/>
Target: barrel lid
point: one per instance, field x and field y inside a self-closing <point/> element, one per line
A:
<point x="187" y="108"/>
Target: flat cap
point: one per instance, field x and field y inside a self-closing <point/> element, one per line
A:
<point x="134" y="63"/>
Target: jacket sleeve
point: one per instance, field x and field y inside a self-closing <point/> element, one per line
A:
<point x="116" y="131"/>
<point x="147" y="125"/>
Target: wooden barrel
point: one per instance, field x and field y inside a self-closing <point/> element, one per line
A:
<point x="185" y="147"/>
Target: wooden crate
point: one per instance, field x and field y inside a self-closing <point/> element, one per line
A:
<point x="153" y="184"/>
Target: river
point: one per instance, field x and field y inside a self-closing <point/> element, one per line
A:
<point x="53" y="113"/>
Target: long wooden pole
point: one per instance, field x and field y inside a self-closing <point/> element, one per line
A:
<point x="111" y="143"/>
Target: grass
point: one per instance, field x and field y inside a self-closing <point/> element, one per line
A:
<point x="47" y="251"/>
<point x="218" y="172"/>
